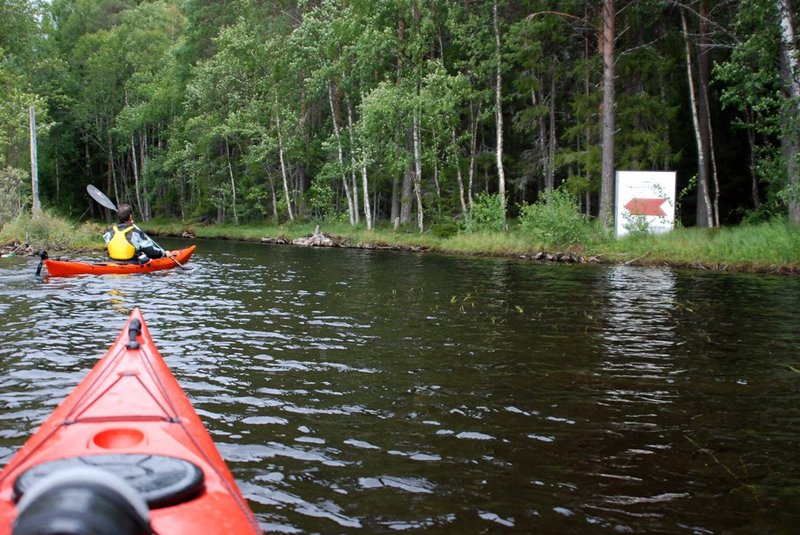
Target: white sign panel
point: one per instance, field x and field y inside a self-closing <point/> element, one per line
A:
<point x="645" y="201"/>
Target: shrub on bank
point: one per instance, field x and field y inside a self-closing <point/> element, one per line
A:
<point x="556" y="220"/>
<point x="47" y="231"/>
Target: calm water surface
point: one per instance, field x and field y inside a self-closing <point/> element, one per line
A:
<point x="379" y="392"/>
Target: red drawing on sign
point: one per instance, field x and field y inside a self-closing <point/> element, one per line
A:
<point x="639" y="206"/>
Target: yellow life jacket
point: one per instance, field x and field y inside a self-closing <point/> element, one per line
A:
<point x="119" y="248"/>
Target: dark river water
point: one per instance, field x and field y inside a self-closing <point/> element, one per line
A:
<point x="380" y="392"/>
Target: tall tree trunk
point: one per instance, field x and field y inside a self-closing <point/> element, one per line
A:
<point x="365" y="190"/>
<point x="473" y="150"/>
<point x="353" y="160"/>
<point x="459" y="178"/>
<point x="704" y="63"/>
<point x="498" y="95"/>
<point x="704" y="210"/>
<point x="143" y="160"/>
<point x="395" y="202"/>
<point x="790" y="137"/>
<point x="136" y="189"/>
<point x="751" y="140"/>
<point x="351" y="208"/>
<point x="274" y="193"/>
<point x="364" y="175"/>
<point x="418" y="171"/>
<point x="608" y="115"/>
<point x="551" y="141"/>
<point x="284" y="174"/>
<point x="233" y="182"/>
<point x="111" y="178"/>
<point x="36" y="209"/>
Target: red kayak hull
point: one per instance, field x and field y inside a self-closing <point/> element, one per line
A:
<point x="66" y="268"/>
<point x="131" y="403"/>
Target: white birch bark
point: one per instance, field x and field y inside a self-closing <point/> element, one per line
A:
<point x="364" y="174"/>
<point x="473" y="152"/>
<point x="351" y="208"/>
<point x="459" y="178"/>
<point x="36" y="209"/>
<point x="233" y="182"/>
<point x="501" y="178"/>
<point x="789" y="74"/>
<point x="353" y="157"/>
<point x="701" y="152"/>
<point x="284" y="174"/>
<point x="365" y="190"/>
<point x="136" y="183"/>
<point x="417" y="171"/>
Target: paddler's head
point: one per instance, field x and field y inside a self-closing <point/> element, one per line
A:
<point x="125" y="212"/>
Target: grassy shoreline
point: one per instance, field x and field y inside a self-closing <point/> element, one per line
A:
<point x="765" y="248"/>
<point x="772" y="247"/>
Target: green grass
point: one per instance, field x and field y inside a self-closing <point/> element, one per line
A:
<point x="763" y="247"/>
<point x="48" y="231"/>
<point x="767" y="247"/>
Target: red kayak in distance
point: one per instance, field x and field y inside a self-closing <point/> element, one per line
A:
<point x="125" y="452"/>
<point x="66" y="268"/>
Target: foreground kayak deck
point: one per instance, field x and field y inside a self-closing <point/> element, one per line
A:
<point x="66" y="268"/>
<point x="131" y="406"/>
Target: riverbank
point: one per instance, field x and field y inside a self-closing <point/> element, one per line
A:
<point x="765" y="248"/>
<point x="772" y="247"/>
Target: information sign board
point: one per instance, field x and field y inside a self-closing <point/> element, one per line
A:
<point x="645" y="201"/>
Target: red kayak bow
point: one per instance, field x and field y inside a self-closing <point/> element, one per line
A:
<point x="125" y="449"/>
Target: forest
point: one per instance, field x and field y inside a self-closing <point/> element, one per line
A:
<point x="414" y="113"/>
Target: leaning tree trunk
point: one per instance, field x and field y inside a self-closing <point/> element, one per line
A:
<point x="790" y="142"/>
<point x="704" y="211"/>
<point x="608" y="115"/>
<point x="284" y="174"/>
<point x="336" y="130"/>
<point x="233" y="182"/>
<point x="459" y="178"/>
<point x="704" y="71"/>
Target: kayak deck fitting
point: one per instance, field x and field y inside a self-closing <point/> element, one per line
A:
<point x="66" y="268"/>
<point x="130" y="420"/>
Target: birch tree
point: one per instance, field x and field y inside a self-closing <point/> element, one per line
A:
<point x="700" y="120"/>
<point x="790" y="135"/>
<point x="498" y="98"/>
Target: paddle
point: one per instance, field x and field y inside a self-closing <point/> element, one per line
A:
<point x="101" y="198"/>
<point x="43" y="256"/>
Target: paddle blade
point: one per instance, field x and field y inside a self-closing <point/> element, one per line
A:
<point x="100" y="197"/>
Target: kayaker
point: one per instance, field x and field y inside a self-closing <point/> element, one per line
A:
<point x="125" y="241"/>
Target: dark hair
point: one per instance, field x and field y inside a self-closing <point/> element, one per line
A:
<point x="125" y="211"/>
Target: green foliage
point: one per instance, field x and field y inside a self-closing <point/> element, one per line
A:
<point x="208" y="99"/>
<point x="321" y="200"/>
<point x="445" y="230"/>
<point x="636" y="225"/>
<point x="555" y="219"/>
<point x="488" y="213"/>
